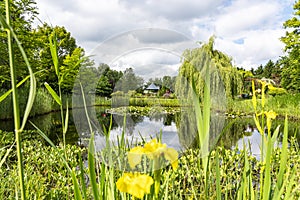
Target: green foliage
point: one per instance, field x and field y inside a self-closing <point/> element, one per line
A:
<point x="107" y="81"/>
<point x="23" y="13"/>
<point x="291" y="63"/>
<point x="129" y="81"/>
<point x="46" y="175"/>
<point x="193" y="63"/>
<point x="282" y="104"/>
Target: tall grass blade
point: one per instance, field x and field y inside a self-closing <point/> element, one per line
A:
<point x="32" y="90"/>
<point x="2" y="97"/>
<point x="66" y="119"/>
<point x="91" y="164"/>
<point x="16" y="111"/>
<point x="30" y="101"/>
<point x="218" y="180"/>
<point x="6" y="154"/>
<point x="83" y="187"/>
<point x="283" y="157"/>
<point x="53" y="94"/>
<point x="53" y="50"/>
<point x="267" y="176"/>
<point x="77" y="192"/>
<point x="198" y="112"/>
<point x="43" y="134"/>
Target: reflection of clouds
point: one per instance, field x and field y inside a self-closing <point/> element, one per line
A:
<point x="255" y="142"/>
<point x="148" y="129"/>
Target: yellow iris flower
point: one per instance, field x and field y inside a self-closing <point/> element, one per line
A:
<point x="135" y="184"/>
<point x="270" y="115"/>
<point x="153" y="150"/>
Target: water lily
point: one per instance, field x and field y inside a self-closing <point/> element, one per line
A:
<point x="135" y="184"/>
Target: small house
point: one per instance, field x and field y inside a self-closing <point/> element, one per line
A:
<point x="152" y="88"/>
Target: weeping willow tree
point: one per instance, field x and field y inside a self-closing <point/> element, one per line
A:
<point x="225" y="82"/>
<point x="195" y="60"/>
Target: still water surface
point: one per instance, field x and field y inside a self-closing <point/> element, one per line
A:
<point x="167" y="126"/>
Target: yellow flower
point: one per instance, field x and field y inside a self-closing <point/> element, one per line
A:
<point x="153" y="150"/>
<point x="271" y="114"/>
<point x="135" y="184"/>
<point x="135" y="156"/>
<point x="172" y="156"/>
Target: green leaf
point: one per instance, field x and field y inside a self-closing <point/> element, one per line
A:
<point x="53" y="93"/>
<point x="6" y="154"/>
<point x="30" y="101"/>
<point x="283" y="158"/>
<point x="66" y="119"/>
<point x="91" y="164"/>
<point x="218" y="180"/>
<point x="76" y="185"/>
<point x="53" y="50"/>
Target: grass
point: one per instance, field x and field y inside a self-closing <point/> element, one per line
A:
<point x="282" y="104"/>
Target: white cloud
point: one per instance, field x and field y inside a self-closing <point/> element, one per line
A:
<point x="246" y="30"/>
<point x="245" y="15"/>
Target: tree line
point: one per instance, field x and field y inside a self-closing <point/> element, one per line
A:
<point x="35" y="41"/>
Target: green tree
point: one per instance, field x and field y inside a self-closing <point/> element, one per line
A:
<point x="129" y="81"/>
<point x="68" y="55"/>
<point x="193" y="65"/>
<point x="23" y="13"/>
<point x="290" y="75"/>
<point x="70" y="68"/>
<point x="107" y="81"/>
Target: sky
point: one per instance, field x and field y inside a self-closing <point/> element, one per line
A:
<point x="246" y="30"/>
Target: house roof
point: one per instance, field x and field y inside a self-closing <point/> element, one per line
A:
<point x="152" y="86"/>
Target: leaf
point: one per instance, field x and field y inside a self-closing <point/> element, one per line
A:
<point x="76" y="185"/>
<point x="53" y="93"/>
<point x="18" y="85"/>
<point x="6" y="154"/>
<point x="91" y="165"/>
<point x="53" y="50"/>
<point x="66" y="119"/>
<point x="283" y="158"/>
<point x="30" y="101"/>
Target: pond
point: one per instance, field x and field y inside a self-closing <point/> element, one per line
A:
<point x="175" y="129"/>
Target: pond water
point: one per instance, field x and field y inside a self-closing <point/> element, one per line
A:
<point x="174" y="129"/>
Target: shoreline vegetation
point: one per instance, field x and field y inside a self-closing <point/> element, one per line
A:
<point x="286" y="104"/>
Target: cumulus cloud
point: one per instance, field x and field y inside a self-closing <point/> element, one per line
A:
<point x="248" y="31"/>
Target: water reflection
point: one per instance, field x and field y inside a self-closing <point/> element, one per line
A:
<point x="177" y="130"/>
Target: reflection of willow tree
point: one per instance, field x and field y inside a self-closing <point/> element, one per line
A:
<point x="169" y="118"/>
<point x="130" y="123"/>
<point x="236" y="130"/>
<point x="187" y="128"/>
<point x="225" y="81"/>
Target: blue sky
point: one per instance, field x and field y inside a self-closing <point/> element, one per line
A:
<point x="247" y="30"/>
